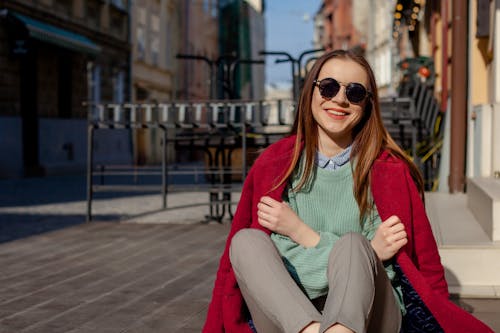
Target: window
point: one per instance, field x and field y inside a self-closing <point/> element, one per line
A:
<point x="141" y="43"/>
<point x="155" y="39"/>
<point x="120" y="4"/>
<point x="92" y="14"/>
<point x="169" y="48"/>
<point x="140" y="34"/>
<point x="119" y="87"/>
<point x="155" y="49"/>
<point x="141" y="94"/>
<point x="117" y="24"/>
<point x="214" y="10"/>
<point x="94" y="82"/>
<point x="63" y="6"/>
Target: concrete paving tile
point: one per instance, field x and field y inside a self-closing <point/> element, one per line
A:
<point x="482" y="305"/>
<point x="492" y="319"/>
<point x="472" y="291"/>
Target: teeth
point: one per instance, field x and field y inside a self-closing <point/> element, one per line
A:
<point x="337" y="113"/>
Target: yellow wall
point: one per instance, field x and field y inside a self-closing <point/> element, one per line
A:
<point x="479" y="68"/>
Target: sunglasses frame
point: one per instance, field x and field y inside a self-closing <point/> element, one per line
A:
<point x="348" y="86"/>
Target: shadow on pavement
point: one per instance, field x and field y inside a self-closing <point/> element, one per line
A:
<point x="16" y="226"/>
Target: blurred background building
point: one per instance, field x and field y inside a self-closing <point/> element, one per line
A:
<point x="55" y="54"/>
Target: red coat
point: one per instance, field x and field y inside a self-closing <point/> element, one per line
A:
<point x="394" y="193"/>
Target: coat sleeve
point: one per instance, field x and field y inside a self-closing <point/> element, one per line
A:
<point x="426" y="256"/>
<point x="242" y="219"/>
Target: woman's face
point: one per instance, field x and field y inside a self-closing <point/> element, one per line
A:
<point x="337" y="116"/>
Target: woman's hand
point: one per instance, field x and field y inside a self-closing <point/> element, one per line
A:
<point x="389" y="238"/>
<point x="280" y="218"/>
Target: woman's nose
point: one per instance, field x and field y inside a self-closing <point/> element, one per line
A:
<point x="341" y="97"/>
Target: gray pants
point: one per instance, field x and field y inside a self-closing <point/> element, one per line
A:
<point x="360" y="294"/>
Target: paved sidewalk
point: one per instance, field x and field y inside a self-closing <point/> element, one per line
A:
<point x="30" y="207"/>
<point x="34" y="205"/>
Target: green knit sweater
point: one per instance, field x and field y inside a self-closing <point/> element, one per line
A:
<point x="328" y="206"/>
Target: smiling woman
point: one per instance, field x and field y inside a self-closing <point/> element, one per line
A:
<point x="331" y="234"/>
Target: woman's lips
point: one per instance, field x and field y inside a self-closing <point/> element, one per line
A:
<point x="336" y="114"/>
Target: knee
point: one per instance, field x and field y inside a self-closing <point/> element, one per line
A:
<point x="354" y="239"/>
<point x="349" y="244"/>
<point x="243" y="244"/>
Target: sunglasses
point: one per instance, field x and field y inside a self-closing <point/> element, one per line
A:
<point x="329" y="88"/>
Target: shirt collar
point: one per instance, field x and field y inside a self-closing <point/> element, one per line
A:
<point x="336" y="161"/>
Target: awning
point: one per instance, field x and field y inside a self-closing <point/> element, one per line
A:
<point x="51" y="34"/>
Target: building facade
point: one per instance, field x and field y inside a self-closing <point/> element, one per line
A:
<point x="60" y="57"/>
<point x="242" y="37"/>
<point x="380" y="46"/>
<point x="336" y="27"/>
<point x="483" y="152"/>
<point x="55" y="55"/>
<point x="174" y="53"/>
<point x="154" y="25"/>
<point x="197" y="49"/>
<point x="364" y="26"/>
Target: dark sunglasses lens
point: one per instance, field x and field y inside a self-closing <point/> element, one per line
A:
<point x="329" y="88"/>
<point x="355" y="92"/>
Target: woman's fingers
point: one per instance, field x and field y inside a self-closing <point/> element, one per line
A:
<point x="264" y="215"/>
<point x="389" y="238"/>
<point x="398" y="235"/>
<point x="269" y="201"/>
<point x="398" y="227"/>
<point x="399" y="244"/>
<point x="264" y="210"/>
<point x="391" y="221"/>
<point x="264" y="223"/>
<point x="267" y="204"/>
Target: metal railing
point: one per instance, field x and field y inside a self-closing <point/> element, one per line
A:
<point x="414" y="120"/>
<point x="215" y="127"/>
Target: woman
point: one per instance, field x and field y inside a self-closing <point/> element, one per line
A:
<point x="350" y="246"/>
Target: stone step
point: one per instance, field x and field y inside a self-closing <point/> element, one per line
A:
<point x="472" y="270"/>
<point x="483" y="200"/>
<point x="471" y="259"/>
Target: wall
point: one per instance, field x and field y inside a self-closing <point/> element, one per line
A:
<point x="483" y="153"/>
<point x="11" y="159"/>
<point x="496" y="84"/>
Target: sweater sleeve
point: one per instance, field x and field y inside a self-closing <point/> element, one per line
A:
<point x="307" y="266"/>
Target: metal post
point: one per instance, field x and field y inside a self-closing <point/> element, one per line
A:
<point x="213" y="79"/>
<point x="248" y="108"/>
<point x="288" y="58"/>
<point x="164" y="168"/>
<point x="90" y="135"/>
<point x="225" y="62"/>
<point x="300" y="67"/>
<point x="233" y="71"/>
<point x="211" y="65"/>
<point x="456" y="180"/>
<point x="295" y="91"/>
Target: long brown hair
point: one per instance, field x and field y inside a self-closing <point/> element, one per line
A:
<point x="370" y="137"/>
